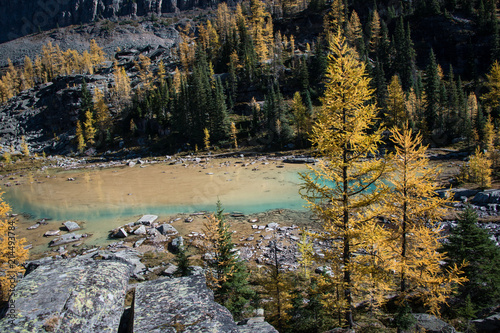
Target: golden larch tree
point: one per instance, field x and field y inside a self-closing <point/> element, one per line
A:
<point x="375" y="33"/>
<point x="345" y="186"/>
<point x="478" y="170"/>
<point x="97" y="55"/>
<point x="354" y="32"/>
<point x="29" y="73"/>
<point x="305" y="248"/>
<point x="80" y="139"/>
<point x="12" y="252"/>
<point x="120" y="93"/>
<point x="334" y="21"/>
<point x="24" y="147"/>
<point x="396" y="106"/>
<point x="206" y="138"/>
<point x="492" y="97"/>
<point x="89" y="129"/>
<point x="103" y="116"/>
<point x="234" y="134"/>
<point x="261" y="28"/>
<point x="414" y="211"/>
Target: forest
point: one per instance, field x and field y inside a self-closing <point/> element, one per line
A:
<point x="368" y="86"/>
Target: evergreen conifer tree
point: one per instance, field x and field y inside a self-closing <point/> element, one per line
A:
<point x="432" y="87"/>
<point x="472" y="244"/>
<point x="227" y="275"/>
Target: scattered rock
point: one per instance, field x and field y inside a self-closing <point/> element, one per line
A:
<point x="139" y="242"/>
<point x="52" y="233"/>
<point x="170" y="270"/>
<point x="272" y="225"/>
<point x="167" y="230"/>
<point x="147" y="219"/>
<point x="71" y="226"/>
<point x="67" y="238"/>
<point x="431" y="324"/>
<point x="120" y="233"/>
<point x="140" y="231"/>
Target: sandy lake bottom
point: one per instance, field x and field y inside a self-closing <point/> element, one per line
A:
<point x="103" y="199"/>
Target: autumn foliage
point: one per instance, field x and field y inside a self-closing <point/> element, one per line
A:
<point x="12" y="252"/>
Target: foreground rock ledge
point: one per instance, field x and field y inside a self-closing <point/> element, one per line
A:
<point x="87" y="294"/>
<point x="75" y="295"/>
<point x="184" y="305"/>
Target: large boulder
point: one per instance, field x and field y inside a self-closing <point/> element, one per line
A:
<point x="167" y="230"/>
<point x="431" y="324"/>
<point x="488" y="324"/>
<point x="73" y="295"/>
<point x="147" y="219"/>
<point x="71" y="226"/>
<point x="487" y="197"/>
<point x="185" y="304"/>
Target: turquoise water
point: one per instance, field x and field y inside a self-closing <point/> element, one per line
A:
<point x="109" y="208"/>
<point x="105" y="212"/>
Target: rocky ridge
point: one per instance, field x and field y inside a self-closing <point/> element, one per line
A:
<point x="23" y="17"/>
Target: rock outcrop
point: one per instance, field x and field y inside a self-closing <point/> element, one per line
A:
<point x="87" y="294"/>
<point x="71" y="295"/>
<point x="186" y="305"/>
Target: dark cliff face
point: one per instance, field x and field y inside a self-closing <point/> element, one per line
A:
<point x="23" y="17"/>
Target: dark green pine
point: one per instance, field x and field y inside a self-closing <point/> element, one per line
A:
<point x="472" y="244"/>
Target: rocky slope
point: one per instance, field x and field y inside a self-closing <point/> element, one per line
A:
<point x="23" y="17"/>
<point x="108" y="35"/>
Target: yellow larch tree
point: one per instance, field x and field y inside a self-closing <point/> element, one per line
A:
<point x="413" y="210"/>
<point x="161" y="72"/>
<point x="305" y="248"/>
<point x="24" y="147"/>
<point x="492" y="97"/>
<point x="396" y="106"/>
<point x="334" y="21"/>
<point x="144" y="67"/>
<point x="97" y="55"/>
<point x="225" y="21"/>
<point x="206" y="138"/>
<point x="354" y="32"/>
<point x="261" y="29"/>
<point x="87" y="63"/>
<point x="345" y="187"/>
<point x="478" y="170"/>
<point x="234" y="134"/>
<point x="80" y="139"/>
<point x="12" y="252"/>
<point x="177" y="80"/>
<point x="120" y="93"/>
<point x="102" y="114"/>
<point x="375" y="34"/>
<point x="4" y="92"/>
<point x="29" y="73"/>
<point x="89" y="129"/>
<point x="186" y="50"/>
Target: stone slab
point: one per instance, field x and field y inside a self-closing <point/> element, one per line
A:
<point x="71" y="295"/>
<point x="179" y="305"/>
<point x="147" y="219"/>
<point x="71" y="226"/>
